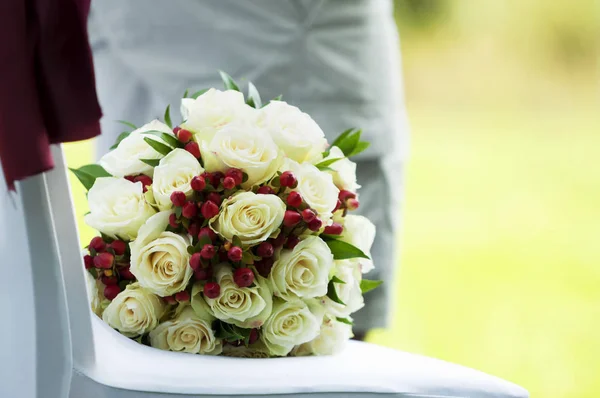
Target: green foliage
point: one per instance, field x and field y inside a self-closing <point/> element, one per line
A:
<point x="88" y="174"/>
<point x="168" y="138"/>
<point x="253" y="96"/>
<point x="345" y="320"/>
<point x="128" y="124"/>
<point x="228" y="82"/>
<point x="332" y="293"/>
<point x="158" y="146"/>
<point x="167" y="116"/>
<point x="367" y="285"/>
<point x="231" y="333"/>
<point x="342" y="250"/>
<point x="120" y="138"/>
<point x="151" y="162"/>
<point x="198" y="93"/>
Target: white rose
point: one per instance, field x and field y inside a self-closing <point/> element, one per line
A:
<point x="135" y="311"/>
<point x="256" y="350"/>
<point x="296" y="133"/>
<point x="246" y="307"/>
<point x="213" y="110"/>
<point x="125" y="160"/>
<point x="344" y="170"/>
<point x="291" y="323"/>
<point x="159" y="259"/>
<point x="360" y="232"/>
<point x="186" y="333"/>
<point x="302" y="272"/>
<point x="349" y="292"/>
<point x="315" y="186"/>
<point x="332" y="339"/>
<point x="174" y="173"/>
<point x="95" y="291"/>
<point x="251" y="217"/>
<point x="246" y="147"/>
<point x="117" y="207"/>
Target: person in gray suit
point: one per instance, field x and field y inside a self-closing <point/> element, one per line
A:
<point x="337" y="60"/>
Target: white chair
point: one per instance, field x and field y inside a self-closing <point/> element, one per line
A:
<point x="78" y="356"/>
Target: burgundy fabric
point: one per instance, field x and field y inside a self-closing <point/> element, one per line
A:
<point x="47" y="87"/>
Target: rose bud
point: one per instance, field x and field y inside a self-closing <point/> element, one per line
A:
<point x="209" y="209"/>
<point x="292" y="241"/>
<point x="212" y="290"/>
<point x="229" y="183"/>
<point x="206" y="231"/>
<point x="291" y="218"/>
<point x="279" y="241"/>
<point x="182" y="296"/>
<point x="253" y="338"/>
<point x="265" y="249"/>
<point x="264" y="266"/>
<point x="118" y="247"/>
<point x="208" y="251"/>
<point x="345" y="195"/>
<point x="194" y="228"/>
<point x="97" y="244"/>
<point x="178" y="198"/>
<point x="216" y="178"/>
<point x="315" y="225"/>
<point x="308" y="215"/>
<point x="287" y="179"/>
<point x="173" y="221"/>
<point x="243" y="277"/>
<point x="352" y="204"/>
<point x="184" y="136"/>
<point x="111" y="291"/>
<point x="145" y="180"/>
<point x="334" y="229"/>
<point x="294" y="199"/>
<point x="203" y="274"/>
<point x="88" y="261"/>
<point x="104" y="260"/>
<point x="125" y="273"/>
<point x="215" y="197"/>
<point x="236" y="174"/>
<point x="198" y="183"/>
<point x="265" y="190"/>
<point x="193" y="148"/>
<point x="196" y="261"/>
<point x="235" y="254"/>
<point x="110" y="280"/>
<point x="338" y="205"/>
<point x="189" y="210"/>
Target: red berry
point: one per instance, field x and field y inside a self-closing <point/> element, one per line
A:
<point x="145" y="180"/>
<point x="104" y="260"/>
<point x="236" y="174"/>
<point x="334" y="229"/>
<point x="265" y="190"/>
<point x="315" y="224"/>
<point x="243" y="277"/>
<point x="264" y="266"/>
<point x="111" y="291"/>
<point x="212" y="290"/>
<point x="173" y="220"/>
<point x="130" y="178"/>
<point x="291" y="218"/>
<point x="345" y="195"/>
<point x="110" y="280"/>
<point x="118" y="247"/>
<point x="206" y="231"/>
<point x="215" y="197"/>
<point x="209" y="209"/>
<point x="253" y="338"/>
<point x="125" y="273"/>
<point x="193" y="148"/>
<point x="182" y="296"/>
<point x="294" y="199"/>
<point x="203" y="274"/>
<point x="288" y="179"/>
<point x="198" y="183"/>
<point x="196" y="261"/>
<point x="189" y="210"/>
<point x="292" y="241"/>
<point x="229" y="183"/>
<point x="352" y="204"/>
<point x="178" y="198"/>
<point x="308" y="215"/>
<point x="215" y="178"/>
<point x="208" y="251"/>
<point x="170" y="300"/>
<point x="97" y="244"/>
<point x="194" y="228"/>
<point x="265" y="249"/>
<point x="235" y="254"/>
<point x="176" y="129"/>
<point x="88" y="261"/>
<point x="338" y="204"/>
<point x="184" y="136"/>
<point x="279" y="241"/>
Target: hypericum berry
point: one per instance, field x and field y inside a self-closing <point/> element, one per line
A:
<point x="196" y="261"/>
<point x="229" y="183"/>
<point x="265" y="190"/>
<point x="184" y="135"/>
<point x="173" y="220"/>
<point x="287" y="179"/>
<point x="97" y="244"/>
<point x="145" y="180"/>
<point x="265" y="249"/>
<point x="338" y="205"/>
<point x="110" y="280"/>
<point x="215" y="197"/>
<point x="264" y="266"/>
<point x="206" y="231"/>
<point x="111" y="291"/>
<point x="198" y="183"/>
<point x="170" y="300"/>
<point x="193" y="148"/>
<point x="189" y="210"/>
<point x="215" y="178"/>
<point x="212" y="290"/>
<point x="178" y="198"/>
<point x="88" y="261"/>
<point x="118" y="247"/>
<point x="253" y="338"/>
<point x="291" y="218"/>
<point x="292" y="241"/>
<point x="315" y="225"/>
<point x="334" y="229"/>
<point x="203" y="274"/>
<point x="125" y="273"/>
<point x="182" y="296"/>
<point x="194" y="228"/>
<point x="308" y="215"/>
<point x="243" y="277"/>
<point x="294" y="199"/>
<point x="345" y="195"/>
<point x="352" y="204"/>
<point x="235" y="254"/>
<point x="104" y="260"/>
<point x="209" y="209"/>
<point x="236" y="174"/>
<point x="208" y="251"/>
<point x="279" y="241"/>
<point x="130" y="178"/>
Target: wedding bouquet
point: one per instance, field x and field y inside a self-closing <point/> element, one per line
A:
<point x="229" y="234"/>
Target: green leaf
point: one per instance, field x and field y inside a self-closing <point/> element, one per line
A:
<point x="95" y="170"/>
<point x="332" y="293"/>
<point x="123" y="284"/>
<point x="94" y="272"/>
<point x="360" y="147"/>
<point x="120" y="138"/>
<point x="236" y="241"/>
<point x="278" y="98"/>
<point x="228" y="81"/>
<point x="247" y="258"/>
<point x="151" y="162"/>
<point x="199" y="93"/>
<point x="326" y="163"/>
<point x="367" y="285"/>
<point x="185" y="93"/>
<point x="158" y="146"/>
<point x="191" y="250"/>
<point x="170" y="139"/>
<point x="335" y="279"/>
<point x="340" y="138"/>
<point x="230" y="333"/>
<point x="350" y="142"/>
<point x="178" y="211"/>
<point x="253" y="96"/>
<point x="204" y="240"/>
<point x="87" y="174"/>
<point x="345" y="320"/>
<point x="128" y="124"/>
<point x="168" y="116"/>
<point x="342" y="250"/>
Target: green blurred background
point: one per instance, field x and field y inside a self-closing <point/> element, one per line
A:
<point x="500" y="243"/>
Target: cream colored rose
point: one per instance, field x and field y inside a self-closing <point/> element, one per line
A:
<point x="186" y="333"/>
<point x="252" y="218"/>
<point x="125" y="160"/>
<point x="360" y="232"/>
<point x="296" y="133"/>
<point x="214" y="110"/>
<point x="256" y="350"/>
<point x="291" y="323"/>
<point x="343" y="171"/>
<point x="332" y="339"/>
<point x="174" y="173"/>
<point x="349" y="292"/>
<point x="95" y="290"/>
<point x="246" y="147"/>
<point x="246" y="307"/>
<point x="135" y="311"/>
<point x="302" y="272"/>
<point x="117" y="207"/>
<point x="159" y="259"/>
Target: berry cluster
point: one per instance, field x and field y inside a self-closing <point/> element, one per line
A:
<point x="109" y="261"/>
